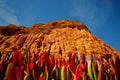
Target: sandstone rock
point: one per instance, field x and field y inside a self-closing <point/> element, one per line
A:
<point x="59" y="38"/>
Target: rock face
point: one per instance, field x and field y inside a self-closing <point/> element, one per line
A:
<point x="58" y="38"/>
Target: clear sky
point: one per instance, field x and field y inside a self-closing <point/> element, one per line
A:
<point x="102" y="17"/>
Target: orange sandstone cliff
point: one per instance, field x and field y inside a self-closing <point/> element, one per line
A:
<point x="59" y="38"/>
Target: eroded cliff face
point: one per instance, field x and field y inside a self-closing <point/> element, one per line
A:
<point x="59" y="38"/>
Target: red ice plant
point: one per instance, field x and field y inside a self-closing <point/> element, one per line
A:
<point x="44" y="66"/>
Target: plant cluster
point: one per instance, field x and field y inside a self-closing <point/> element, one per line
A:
<point x="44" y="66"/>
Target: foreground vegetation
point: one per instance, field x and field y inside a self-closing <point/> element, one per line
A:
<point x="21" y="65"/>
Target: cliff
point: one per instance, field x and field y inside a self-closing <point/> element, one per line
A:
<point x="59" y="38"/>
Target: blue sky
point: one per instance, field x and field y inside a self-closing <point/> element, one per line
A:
<point x="100" y="16"/>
